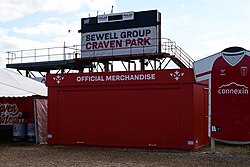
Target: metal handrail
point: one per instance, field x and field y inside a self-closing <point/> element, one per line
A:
<point x="177" y="52"/>
<point x="65" y="53"/>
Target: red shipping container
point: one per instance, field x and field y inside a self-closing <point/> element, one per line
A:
<point x="146" y="109"/>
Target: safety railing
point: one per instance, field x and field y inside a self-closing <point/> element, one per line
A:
<point x="42" y="54"/>
<point x="76" y="51"/>
<point x="171" y="48"/>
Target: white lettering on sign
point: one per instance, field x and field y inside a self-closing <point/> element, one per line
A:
<point x="9" y="114"/>
<point x="128" y="16"/>
<point x="233" y="89"/>
<point x="102" y="18"/>
<point x="86" y="21"/>
<point x="129" y="77"/>
<point x="89" y="78"/>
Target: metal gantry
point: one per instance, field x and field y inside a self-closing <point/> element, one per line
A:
<point x="68" y="59"/>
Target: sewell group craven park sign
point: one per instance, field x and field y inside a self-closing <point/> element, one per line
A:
<point x="121" y="34"/>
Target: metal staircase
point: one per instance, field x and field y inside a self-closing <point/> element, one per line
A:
<point x="177" y="54"/>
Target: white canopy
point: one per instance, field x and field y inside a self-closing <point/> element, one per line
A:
<point x="13" y="84"/>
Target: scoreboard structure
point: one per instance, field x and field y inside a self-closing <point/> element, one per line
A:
<point x="118" y="34"/>
<point x="126" y="41"/>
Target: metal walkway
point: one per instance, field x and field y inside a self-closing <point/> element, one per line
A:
<point x="67" y="58"/>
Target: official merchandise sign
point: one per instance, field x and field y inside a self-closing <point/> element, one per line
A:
<point x="121" y="78"/>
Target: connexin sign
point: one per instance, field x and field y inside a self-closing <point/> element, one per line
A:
<point x="121" y="34"/>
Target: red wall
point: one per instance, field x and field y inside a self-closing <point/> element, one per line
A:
<point x="12" y="109"/>
<point x="160" y="112"/>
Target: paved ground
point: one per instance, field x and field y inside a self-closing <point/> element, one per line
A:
<point x="27" y="155"/>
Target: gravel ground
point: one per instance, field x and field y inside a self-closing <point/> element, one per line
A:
<point x="25" y="155"/>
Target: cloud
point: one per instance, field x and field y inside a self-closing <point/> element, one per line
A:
<point x="53" y="34"/>
<point x="14" y="9"/>
<point x="11" y="42"/>
<point x="101" y="4"/>
<point x="209" y="35"/>
<point x="50" y="31"/>
<point x="46" y="28"/>
<point x="16" y="44"/>
<point x="187" y="20"/>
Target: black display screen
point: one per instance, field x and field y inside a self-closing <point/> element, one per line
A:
<point x="115" y="17"/>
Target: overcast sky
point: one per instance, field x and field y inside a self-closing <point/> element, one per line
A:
<point x="200" y="27"/>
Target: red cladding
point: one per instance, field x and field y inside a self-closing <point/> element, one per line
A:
<point x="16" y="110"/>
<point x="147" y="109"/>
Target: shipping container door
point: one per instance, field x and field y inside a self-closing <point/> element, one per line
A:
<point x="120" y="117"/>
